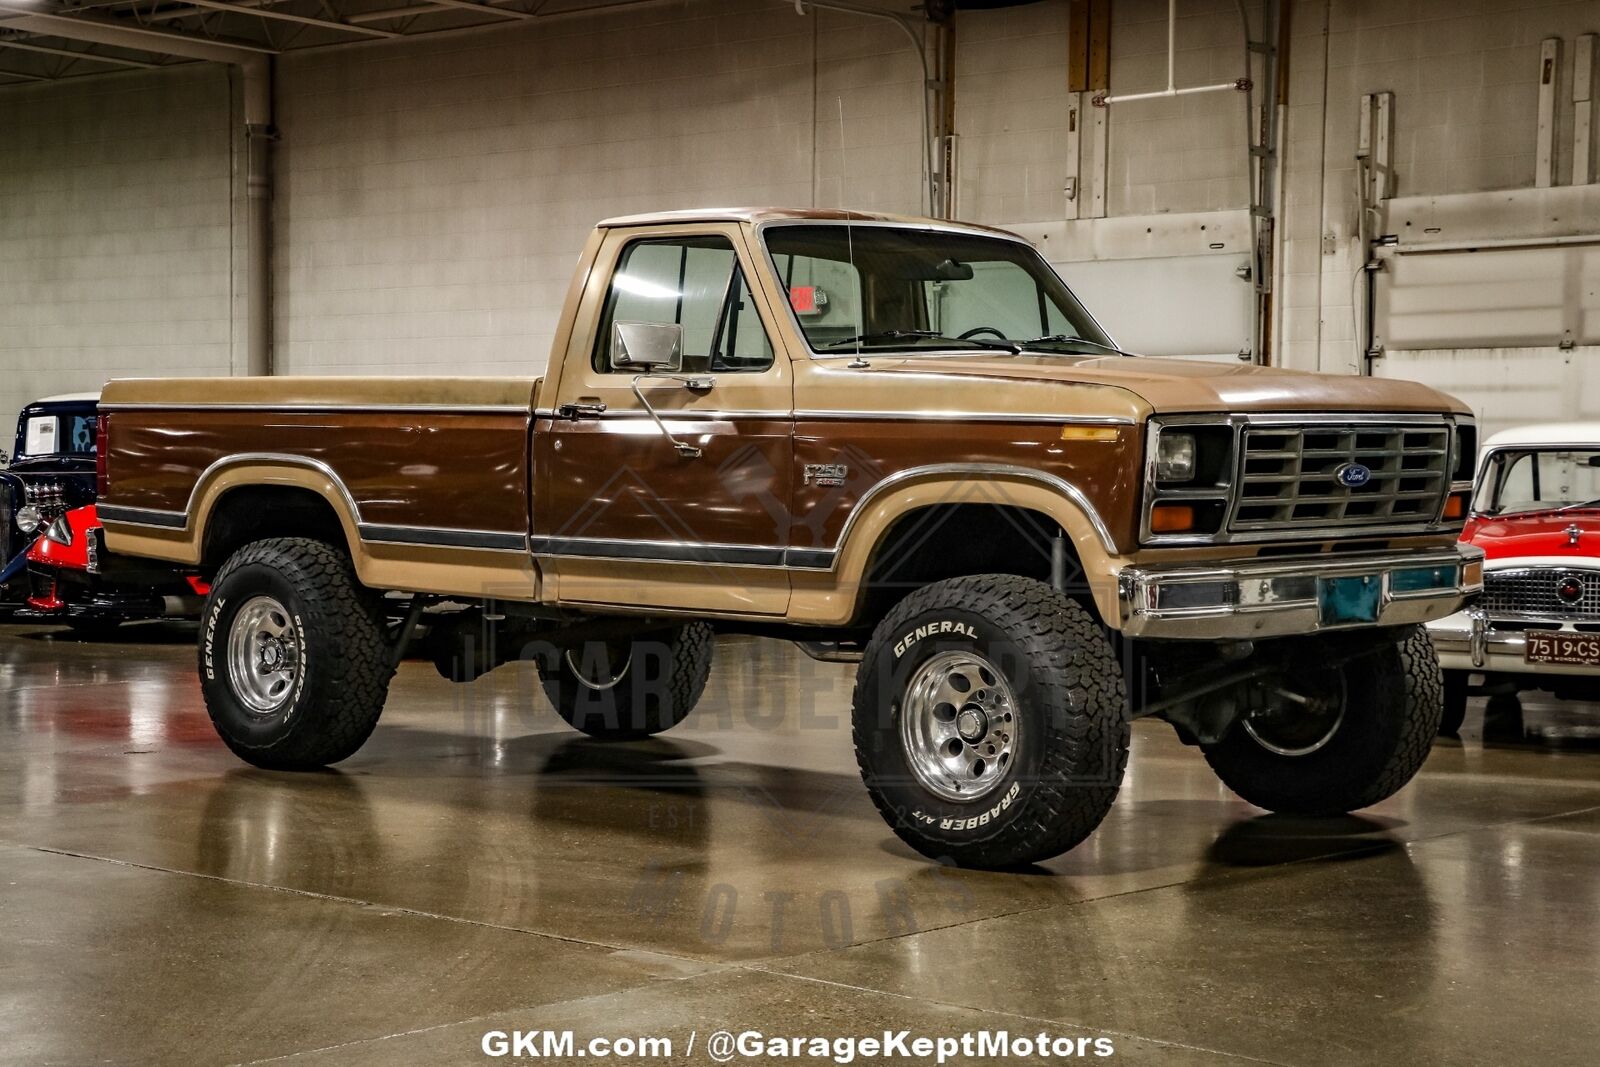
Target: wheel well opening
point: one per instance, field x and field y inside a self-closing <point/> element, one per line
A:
<point x="256" y="513"/>
<point x="953" y="540"/>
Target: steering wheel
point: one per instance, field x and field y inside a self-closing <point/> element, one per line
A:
<point x="976" y="330"/>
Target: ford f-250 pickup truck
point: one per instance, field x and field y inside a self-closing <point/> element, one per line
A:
<point x="898" y="440"/>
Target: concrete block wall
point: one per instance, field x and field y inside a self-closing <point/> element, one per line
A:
<point x="434" y="196"/>
<point x="114" y="232"/>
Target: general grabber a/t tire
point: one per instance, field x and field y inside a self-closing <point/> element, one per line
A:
<point x="294" y="661"/>
<point x="991" y="721"/>
<point x="1372" y="740"/>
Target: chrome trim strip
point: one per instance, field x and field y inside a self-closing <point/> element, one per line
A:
<point x="154" y="517"/>
<point x="623" y="549"/>
<point x="683" y="414"/>
<point x="969" y="416"/>
<point x="443" y="537"/>
<point x="322" y="408"/>
<point x="867" y="416"/>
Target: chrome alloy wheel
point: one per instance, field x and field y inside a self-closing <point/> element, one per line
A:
<point x="1297" y="725"/>
<point x="263" y="655"/>
<point x="958" y="726"/>
<point x="609" y="674"/>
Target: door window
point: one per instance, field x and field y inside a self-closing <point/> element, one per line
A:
<point x="694" y="282"/>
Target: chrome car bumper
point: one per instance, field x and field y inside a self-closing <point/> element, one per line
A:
<point x="1464" y="642"/>
<point x="1285" y="597"/>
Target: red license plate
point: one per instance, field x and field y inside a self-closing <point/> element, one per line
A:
<point x="1562" y="647"/>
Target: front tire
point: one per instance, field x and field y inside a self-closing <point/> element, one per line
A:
<point x="990" y="721"/>
<point x="1389" y="707"/>
<point x="294" y="658"/>
<point x="627" y="689"/>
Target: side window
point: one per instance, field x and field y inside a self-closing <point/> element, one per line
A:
<point x="696" y="283"/>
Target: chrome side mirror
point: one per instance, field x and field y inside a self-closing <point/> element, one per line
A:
<point x="647" y="346"/>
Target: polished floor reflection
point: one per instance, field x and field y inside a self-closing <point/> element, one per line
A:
<point x="478" y="866"/>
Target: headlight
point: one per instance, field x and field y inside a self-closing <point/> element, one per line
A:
<point x="1175" y="457"/>
<point x="60" y="532"/>
<point x="29" y="519"/>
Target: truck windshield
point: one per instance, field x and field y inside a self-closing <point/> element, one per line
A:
<point x="1543" y="479"/>
<point x="904" y="288"/>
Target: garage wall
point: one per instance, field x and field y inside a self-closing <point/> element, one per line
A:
<point x="433" y="197"/>
<point x="114" y="232"/>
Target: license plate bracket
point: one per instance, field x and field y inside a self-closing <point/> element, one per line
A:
<point x="1349" y="600"/>
<point x="1565" y="648"/>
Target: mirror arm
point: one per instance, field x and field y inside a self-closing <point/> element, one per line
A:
<point x="699" y="385"/>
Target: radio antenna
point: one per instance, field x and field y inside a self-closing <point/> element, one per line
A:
<point x="850" y="248"/>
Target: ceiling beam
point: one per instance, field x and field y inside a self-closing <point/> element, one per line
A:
<point x="121" y="34"/>
<point x="284" y="16"/>
<point x="118" y="61"/>
<point x="24" y="77"/>
<point x="487" y="9"/>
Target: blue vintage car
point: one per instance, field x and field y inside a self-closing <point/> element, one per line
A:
<point x="51" y="471"/>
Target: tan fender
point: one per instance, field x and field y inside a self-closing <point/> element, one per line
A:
<point x="830" y="598"/>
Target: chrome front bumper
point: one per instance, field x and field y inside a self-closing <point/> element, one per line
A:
<point x="1285" y="597"/>
<point x="1464" y="642"/>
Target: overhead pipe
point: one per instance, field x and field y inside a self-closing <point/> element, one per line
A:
<point x="920" y="45"/>
<point x="255" y="66"/>
<point x="1239" y="84"/>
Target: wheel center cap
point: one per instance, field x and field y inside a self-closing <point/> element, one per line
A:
<point x="972" y="723"/>
<point x="270" y="656"/>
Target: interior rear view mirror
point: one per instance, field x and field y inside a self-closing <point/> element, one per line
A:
<point x="647" y="346"/>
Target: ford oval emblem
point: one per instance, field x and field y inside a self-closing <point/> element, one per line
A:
<point x="1353" y="475"/>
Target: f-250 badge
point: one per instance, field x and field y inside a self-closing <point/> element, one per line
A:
<point x="829" y="475"/>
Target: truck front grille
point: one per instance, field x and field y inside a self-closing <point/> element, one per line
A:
<point x="1538" y="591"/>
<point x="1289" y="475"/>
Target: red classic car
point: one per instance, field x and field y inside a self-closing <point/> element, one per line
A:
<point x="1536" y="515"/>
<point x="73" y="580"/>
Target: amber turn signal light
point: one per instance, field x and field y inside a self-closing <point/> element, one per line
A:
<point x="1171" y="518"/>
<point x="1456" y="506"/>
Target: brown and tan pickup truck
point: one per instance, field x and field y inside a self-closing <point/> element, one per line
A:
<point x="895" y="440"/>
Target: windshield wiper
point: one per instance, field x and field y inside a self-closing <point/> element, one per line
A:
<point x="1585" y="504"/>
<point x="1066" y="339"/>
<point x="923" y="335"/>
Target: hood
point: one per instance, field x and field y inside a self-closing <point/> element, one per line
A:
<point x="1548" y="534"/>
<point x="1185" y="385"/>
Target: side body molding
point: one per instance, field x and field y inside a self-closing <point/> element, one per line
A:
<point x="488" y="563"/>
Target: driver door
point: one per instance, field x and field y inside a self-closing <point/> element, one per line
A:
<point x="623" y="515"/>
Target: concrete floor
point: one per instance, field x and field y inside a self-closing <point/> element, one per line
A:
<point x="478" y="866"/>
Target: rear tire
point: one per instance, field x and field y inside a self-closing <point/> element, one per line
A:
<point x="621" y="690"/>
<point x="991" y="721"/>
<point x="1455" y="703"/>
<point x="1389" y="715"/>
<point x="294" y="659"/>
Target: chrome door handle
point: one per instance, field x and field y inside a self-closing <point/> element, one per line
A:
<point x="580" y="411"/>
